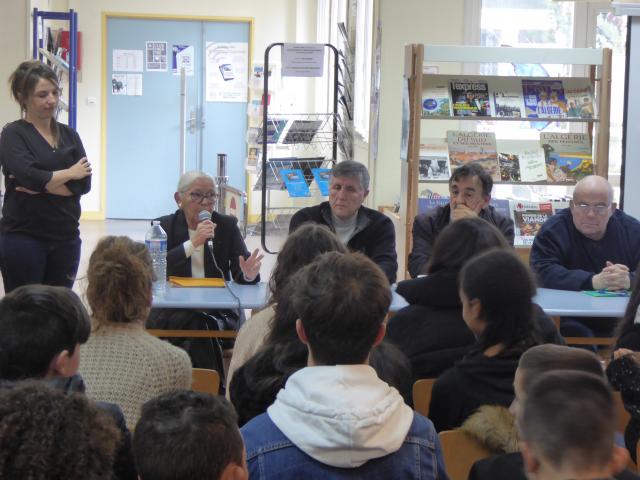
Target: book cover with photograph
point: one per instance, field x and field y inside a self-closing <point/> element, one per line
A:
<point x="528" y="218"/>
<point x="530" y="160"/>
<point x="466" y="147"/>
<point x="580" y="102"/>
<point x="435" y="101"/>
<point x="507" y="104"/>
<point x="509" y="167"/>
<point x="434" y="160"/>
<point x="295" y="182"/>
<point x="567" y="156"/>
<point x="322" y="177"/>
<point x="544" y="99"/>
<point x="470" y="98"/>
<point x="302" y="131"/>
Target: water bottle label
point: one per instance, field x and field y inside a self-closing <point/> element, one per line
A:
<point x="156" y="246"/>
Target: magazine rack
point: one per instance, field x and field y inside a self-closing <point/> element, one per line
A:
<point x="312" y="136"/>
<point x="599" y="61"/>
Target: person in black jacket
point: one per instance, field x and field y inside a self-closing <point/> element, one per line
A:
<point x="41" y="329"/>
<point x="358" y="227"/>
<point x="431" y="330"/>
<point x="469" y="195"/>
<point x="496" y="289"/>
<point x="46" y="171"/>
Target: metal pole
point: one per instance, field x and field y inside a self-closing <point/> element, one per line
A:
<point x="183" y="120"/>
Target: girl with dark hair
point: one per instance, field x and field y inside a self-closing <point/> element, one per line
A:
<point x="496" y="289"/>
<point x="300" y="249"/>
<point x="46" y="171"/>
<point x="431" y="330"/>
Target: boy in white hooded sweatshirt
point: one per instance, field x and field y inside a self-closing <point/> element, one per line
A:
<point x="335" y="418"/>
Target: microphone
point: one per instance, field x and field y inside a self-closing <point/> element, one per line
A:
<point x="202" y="216"/>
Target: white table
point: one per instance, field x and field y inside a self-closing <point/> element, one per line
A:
<point x="251" y="297"/>
<point x="567" y="303"/>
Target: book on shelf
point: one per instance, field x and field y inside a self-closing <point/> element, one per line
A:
<point x="434" y="160"/>
<point x="503" y="207"/>
<point x="528" y="218"/>
<point x="521" y="161"/>
<point x="507" y="104"/>
<point x="567" y="156"/>
<point x="322" y="176"/>
<point x="480" y="147"/>
<point x="509" y="166"/>
<point x="580" y="102"/>
<point x="435" y="101"/>
<point x="470" y="98"/>
<point x="275" y="127"/>
<point x="302" y="131"/>
<point x="295" y="182"/>
<point x="544" y="99"/>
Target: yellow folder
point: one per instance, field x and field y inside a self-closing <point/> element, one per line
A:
<point x="196" y="282"/>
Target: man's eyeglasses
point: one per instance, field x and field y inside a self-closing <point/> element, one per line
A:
<point x="600" y="209"/>
<point x="198" y="197"/>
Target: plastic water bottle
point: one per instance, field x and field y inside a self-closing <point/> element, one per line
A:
<point x="156" y="241"/>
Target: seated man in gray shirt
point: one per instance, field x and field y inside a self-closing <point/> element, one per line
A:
<point x="358" y="227"/>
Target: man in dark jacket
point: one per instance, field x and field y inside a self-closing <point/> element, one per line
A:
<point x="589" y="246"/>
<point x="469" y="196"/>
<point x="41" y="329"/>
<point x="358" y="227"/>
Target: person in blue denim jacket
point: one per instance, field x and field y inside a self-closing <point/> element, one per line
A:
<point x="335" y="418"/>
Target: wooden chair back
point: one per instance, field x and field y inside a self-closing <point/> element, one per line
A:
<point x="460" y="452"/>
<point x="422" y="395"/>
<point x="205" y="381"/>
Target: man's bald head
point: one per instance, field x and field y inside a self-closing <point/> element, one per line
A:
<point x="592" y="206"/>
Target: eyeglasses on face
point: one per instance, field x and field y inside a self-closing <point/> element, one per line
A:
<point x="599" y="209"/>
<point x="198" y="197"/>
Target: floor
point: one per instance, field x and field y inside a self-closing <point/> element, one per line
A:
<point x="91" y="231"/>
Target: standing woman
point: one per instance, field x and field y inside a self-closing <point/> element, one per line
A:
<point x="46" y="171"/>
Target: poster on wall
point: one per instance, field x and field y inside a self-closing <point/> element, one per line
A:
<point x="126" y="84"/>
<point x="182" y="56"/>
<point x="127" y="60"/>
<point x="156" y="56"/>
<point x="226" y="72"/>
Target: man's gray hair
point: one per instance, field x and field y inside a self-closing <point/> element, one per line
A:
<point x="187" y="179"/>
<point x="352" y="169"/>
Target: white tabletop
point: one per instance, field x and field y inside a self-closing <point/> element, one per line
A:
<point x="577" y="304"/>
<point x="251" y="296"/>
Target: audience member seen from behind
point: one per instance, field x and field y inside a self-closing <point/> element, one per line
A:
<point x="41" y="330"/>
<point x="566" y="428"/>
<point x="300" y="249"/>
<point x="185" y="435"/>
<point x="431" y="330"/>
<point x="496" y="291"/>
<point x="469" y="196"/>
<point x="624" y="369"/>
<point x="46" y="171"/>
<point x="589" y="246"/>
<point x="335" y="418"/>
<point x="360" y="228"/>
<point x="533" y="364"/>
<point x="121" y="362"/>
<point x="46" y="434"/>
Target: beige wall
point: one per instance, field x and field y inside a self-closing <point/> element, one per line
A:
<point x="403" y="22"/>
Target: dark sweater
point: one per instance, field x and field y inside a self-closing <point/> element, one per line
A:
<point x="431" y="330"/>
<point x="427" y="226"/>
<point x="474" y="381"/>
<point x="29" y="161"/>
<point x="375" y="236"/>
<point x="565" y="259"/>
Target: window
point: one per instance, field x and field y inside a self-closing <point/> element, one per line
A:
<point x="362" y="67"/>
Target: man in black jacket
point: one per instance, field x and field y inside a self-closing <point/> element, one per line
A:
<point x="358" y="227"/>
<point x="469" y="196"/>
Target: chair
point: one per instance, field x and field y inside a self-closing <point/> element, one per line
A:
<point x="205" y="381"/>
<point x="460" y="451"/>
<point x="422" y="395"/>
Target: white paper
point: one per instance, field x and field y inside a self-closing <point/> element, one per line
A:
<point x="127" y="61"/>
<point x="226" y="72"/>
<point x="182" y="56"/>
<point x="532" y="166"/>
<point x="302" y="60"/>
<point x="126" y="84"/>
<point x="156" y="56"/>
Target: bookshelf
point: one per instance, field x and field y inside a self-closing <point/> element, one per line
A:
<point x="598" y="68"/>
